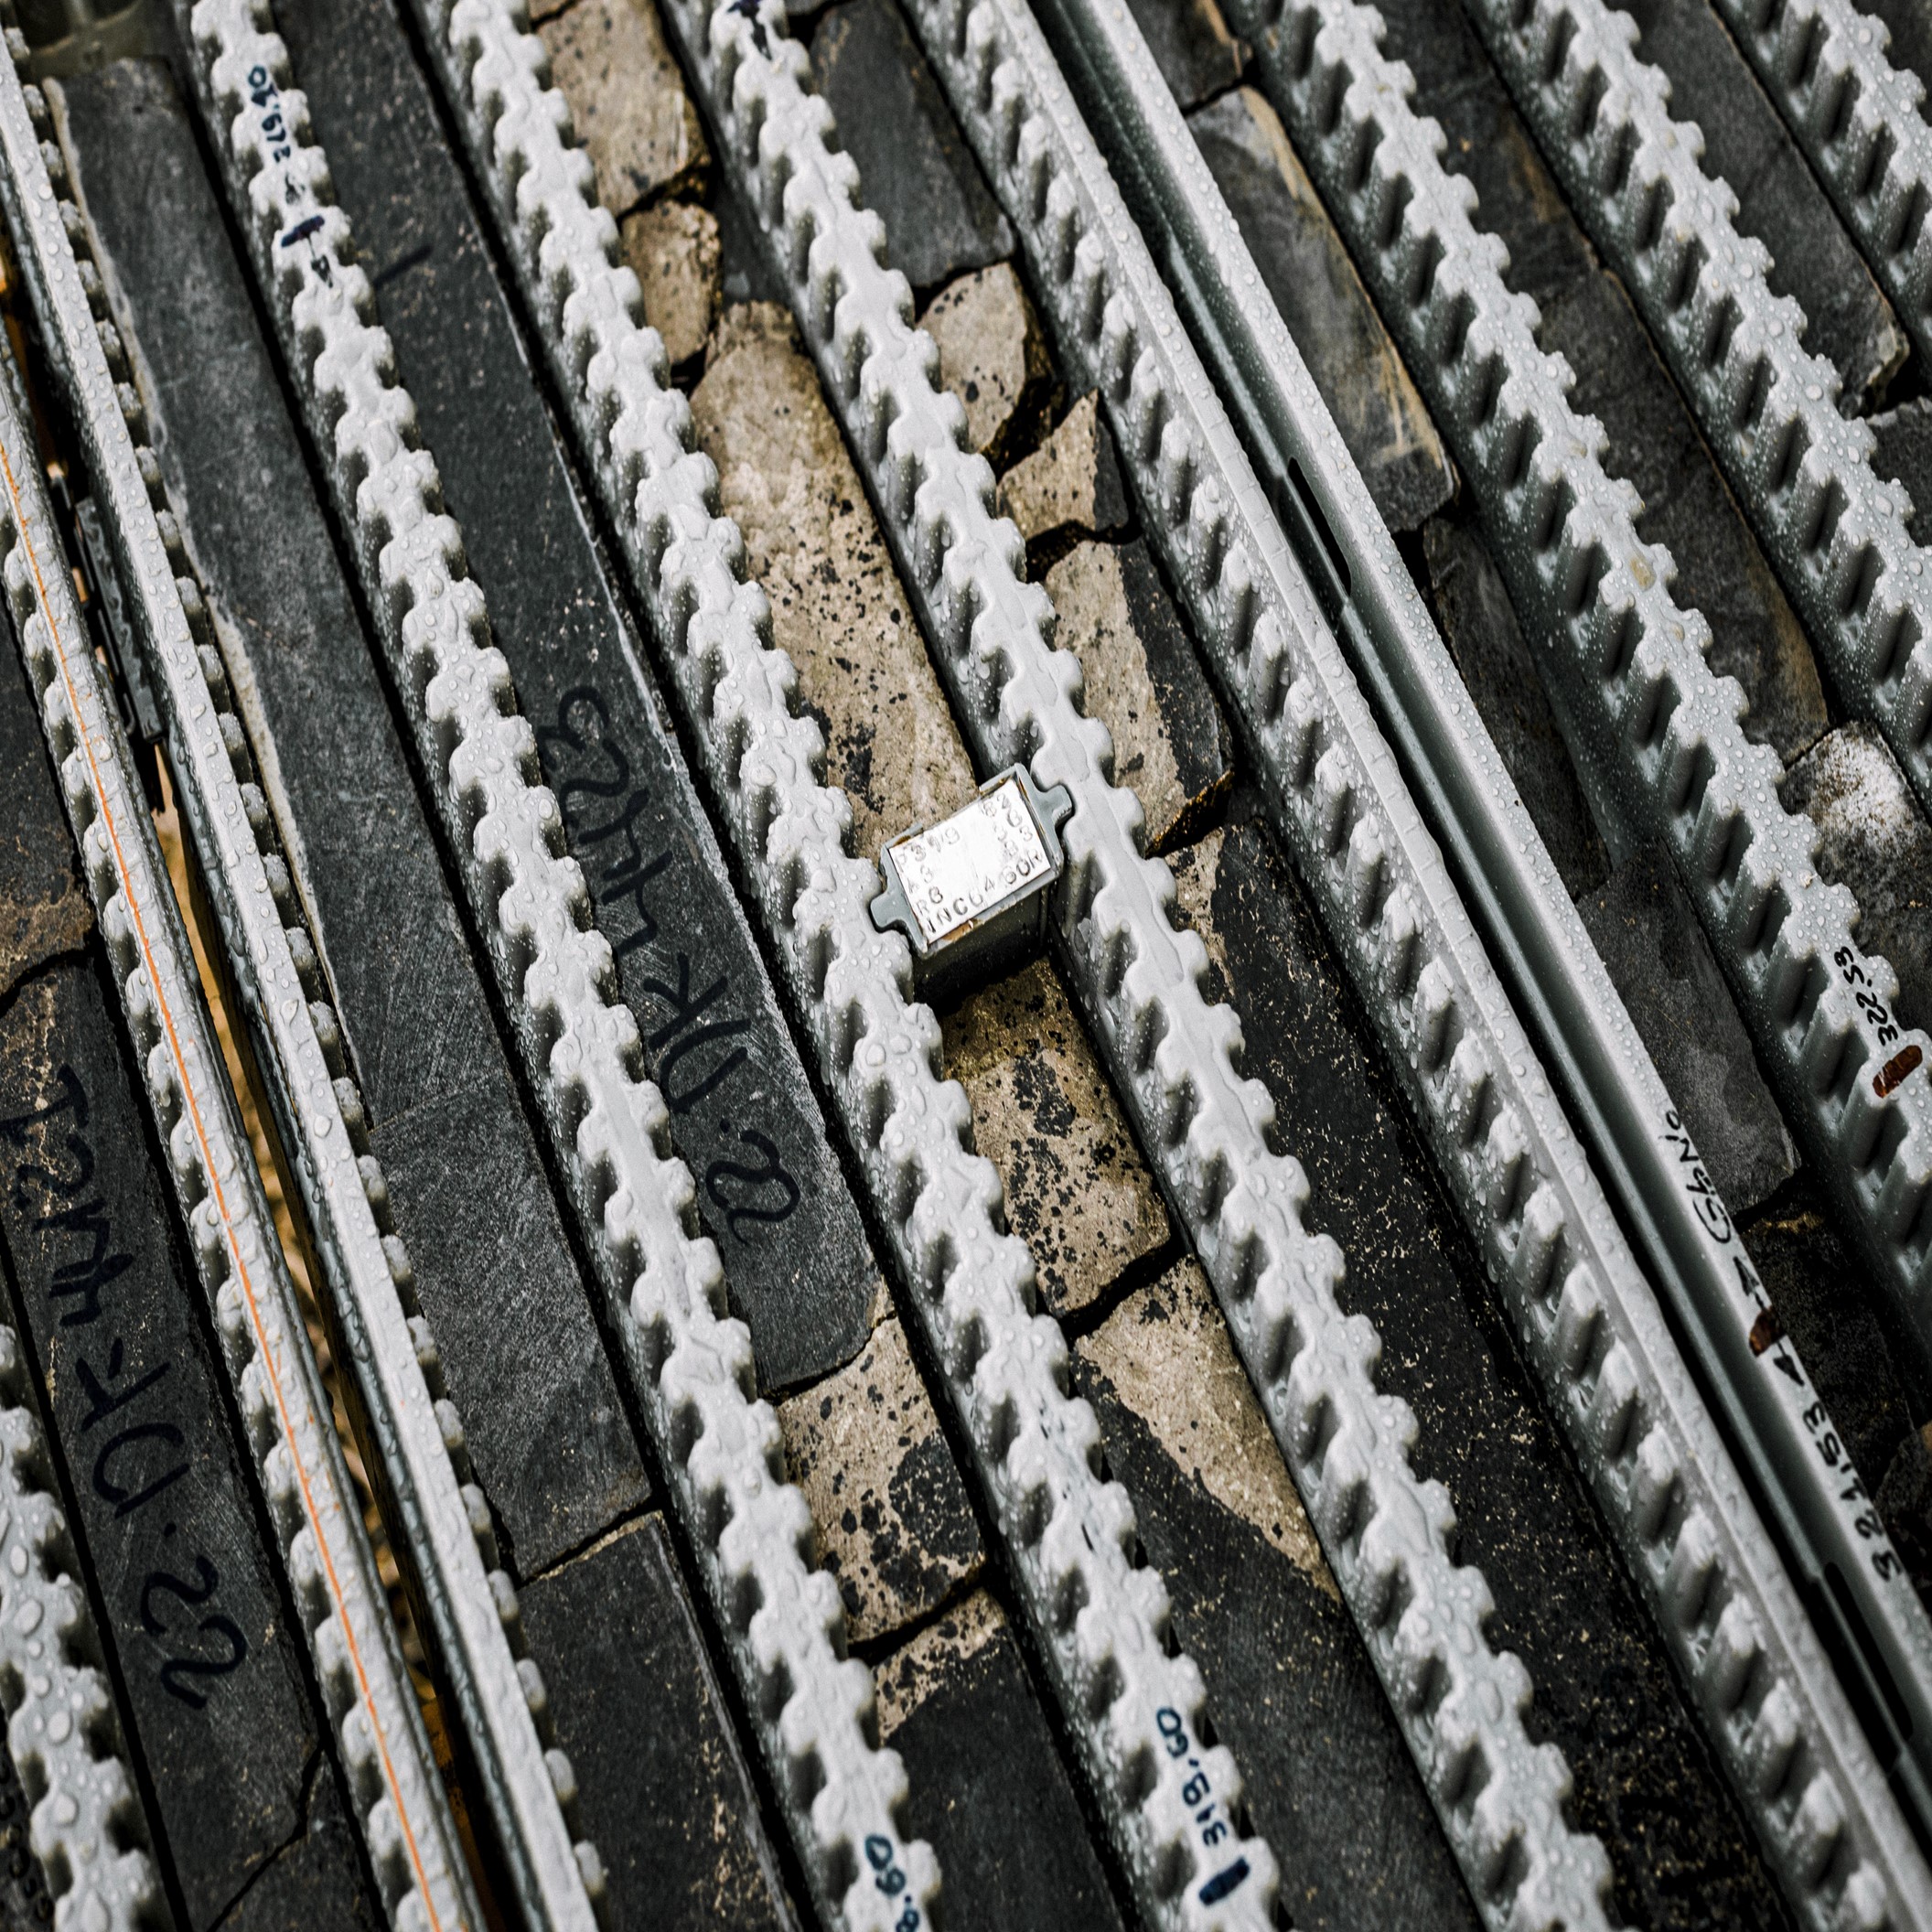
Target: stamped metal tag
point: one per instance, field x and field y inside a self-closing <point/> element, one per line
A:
<point x="971" y="892"/>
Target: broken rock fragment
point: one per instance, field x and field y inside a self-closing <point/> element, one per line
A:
<point x="1190" y="43"/>
<point x="1171" y="745"/>
<point x="1077" y="1192"/>
<point x="915" y="169"/>
<point x="672" y="248"/>
<point x="992" y="357"/>
<point x="609" y="60"/>
<point x="1070" y="486"/>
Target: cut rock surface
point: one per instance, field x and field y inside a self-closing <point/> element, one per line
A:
<point x="1305" y="266"/>
<point x="1328" y="1778"/>
<point x="668" y="1804"/>
<point x="1781" y="201"/>
<point x="1588" y="319"/>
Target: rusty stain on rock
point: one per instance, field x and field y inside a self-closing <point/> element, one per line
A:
<point x="1077" y="1192"/>
<point x="812" y="539"/>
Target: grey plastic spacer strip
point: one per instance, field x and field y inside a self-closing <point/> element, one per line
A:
<point x="63" y="1736"/>
<point x="442" y="1518"/>
<point x="1400" y="651"/>
<point x="689" y="1361"/>
<point x="1859" y="120"/>
<point x="1139" y="979"/>
<point x="1102" y="1618"/>
<point x="398" y="1794"/>
<point x="1834" y="531"/>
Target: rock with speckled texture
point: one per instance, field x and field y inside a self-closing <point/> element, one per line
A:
<point x="1171" y="745"/>
<point x="610" y="59"/>
<point x="1077" y="1192"/>
<point x="990" y="1793"/>
<point x="1873" y="838"/>
<point x="812" y="539"/>
<point x="1306" y="267"/>
<point x="668" y="1803"/>
<point x="993" y="358"/>
<point x="895" y="1525"/>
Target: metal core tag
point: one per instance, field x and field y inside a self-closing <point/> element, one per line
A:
<point x="958" y="871"/>
<point x="971" y="892"/>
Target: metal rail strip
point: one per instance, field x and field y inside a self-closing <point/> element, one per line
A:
<point x="1101" y="1617"/>
<point x="415" y="1434"/>
<point x="64" y="1738"/>
<point x="689" y="1361"/>
<point x="1834" y="532"/>
<point x="1001" y="78"/>
<point x="1642" y="709"/>
<point x="1655" y="734"/>
<point x="396" y="1790"/>
<point x="1139" y="979"/>
<point x="1858" y="119"/>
